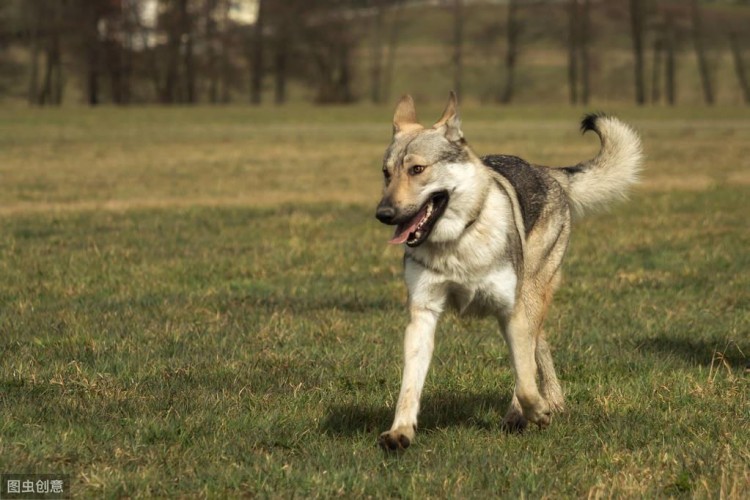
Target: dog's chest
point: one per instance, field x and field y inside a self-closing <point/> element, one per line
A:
<point x="491" y="294"/>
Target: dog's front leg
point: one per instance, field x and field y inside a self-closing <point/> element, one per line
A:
<point x="419" y="340"/>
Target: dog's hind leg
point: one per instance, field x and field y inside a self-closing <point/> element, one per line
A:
<point x="549" y="385"/>
<point x="548" y="382"/>
<point x="520" y="334"/>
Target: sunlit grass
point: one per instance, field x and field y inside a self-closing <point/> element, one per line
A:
<point x="200" y="302"/>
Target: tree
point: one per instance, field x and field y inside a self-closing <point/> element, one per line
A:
<point x="573" y="42"/>
<point x="637" y="27"/>
<point x="739" y="66"/>
<point x="45" y="28"/>
<point x="458" y="40"/>
<point x="95" y="39"/>
<point x="33" y="19"/>
<point x="656" y="70"/>
<point x="583" y="47"/>
<point x="376" y="54"/>
<point x="188" y="63"/>
<point x="224" y="60"/>
<point x="282" y="52"/>
<point x="256" y="50"/>
<point x="329" y="39"/>
<point x="393" y="38"/>
<point x="213" y="49"/>
<point x="700" y="53"/>
<point x="513" y="32"/>
<point x="670" y="66"/>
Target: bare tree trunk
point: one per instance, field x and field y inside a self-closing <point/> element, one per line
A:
<point x="225" y="44"/>
<point x="340" y="76"/>
<point x="46" y="90"/>
<point x="52" y="86"/>
<point x="739" y="67"/>
<point x="670" y="64"/>
<point x="225" y="95"/>
<point x="170" y="89"/>
<point x="281" y="55"/>
<point x="458" y="40"/>
<point x="211" y="56"/>
<point x="46" y="95"/>
<point x="573" y="40"/>
<point x="186" y="43"/>
<point x="92" y="62"/>
<point x="256" y="79"/>
<point x="92" y="87"/>
<point x="58" y="84"/>
<point x="637" y="25"/>
<point x="33" y="88"/>
<point x="58" y="81"/>
<point x="188" y="62"/>
<point x="376" y="56"/>
<point x="583" y="46"/>
<point x="393" y="37"/>
<point x="511" y="53"/>
<point x="656" y="72"/>
<point x="126" y="64"/>
<point x="700" y="53"/>
<point x="117" y="72"/>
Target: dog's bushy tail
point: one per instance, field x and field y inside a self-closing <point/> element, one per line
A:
<point x="593" y="184"/>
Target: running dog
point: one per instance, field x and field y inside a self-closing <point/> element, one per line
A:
<point x="487" y="236"/>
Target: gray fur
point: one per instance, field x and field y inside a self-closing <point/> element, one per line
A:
<point x="529" y="182"/>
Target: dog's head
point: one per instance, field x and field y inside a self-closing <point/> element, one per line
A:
<point x="424" y="169"/>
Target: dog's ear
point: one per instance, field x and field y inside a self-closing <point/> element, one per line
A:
<point x="450" y="120"/>
<point x="405" y="117"/>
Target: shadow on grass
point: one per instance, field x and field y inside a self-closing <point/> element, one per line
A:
<point x="699" y="352"/>
<point x="312" y="302"/>
<point x="444" y="409"/>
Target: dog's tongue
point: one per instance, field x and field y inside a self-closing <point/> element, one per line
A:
<point x="403" y="230"/>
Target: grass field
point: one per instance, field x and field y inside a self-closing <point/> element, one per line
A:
<point x="199" y="302"/>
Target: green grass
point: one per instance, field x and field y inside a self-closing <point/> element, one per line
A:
<point x="199" y="302"/>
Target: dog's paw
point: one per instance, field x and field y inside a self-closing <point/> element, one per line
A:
<point x="395" y="440"/>
<point x="514" y="422"/>
<point x="543" y="419"/>
<point x="517" y="419"/>
<point x="539" y="414"/>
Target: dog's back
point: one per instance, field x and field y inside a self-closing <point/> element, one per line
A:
<point x="531" y="184"/>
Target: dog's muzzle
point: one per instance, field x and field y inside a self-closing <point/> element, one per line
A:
<point x="413" y="228"/>
<point x="385" y="213"/>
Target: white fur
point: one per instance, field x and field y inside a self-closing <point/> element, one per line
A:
<point x="466" y="186"/>
<point x="611" y="172"/>
<point x="463" y="264"/>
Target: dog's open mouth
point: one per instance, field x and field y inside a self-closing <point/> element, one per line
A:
<point x="416" y="230"/>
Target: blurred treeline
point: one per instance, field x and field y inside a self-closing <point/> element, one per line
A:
<point x="342" y="51"/>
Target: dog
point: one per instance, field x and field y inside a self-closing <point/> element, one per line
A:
<point x="487" y="236"/>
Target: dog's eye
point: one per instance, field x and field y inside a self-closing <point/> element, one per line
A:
<point x="416" y="169"/>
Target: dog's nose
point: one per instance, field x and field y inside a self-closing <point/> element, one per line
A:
<point x="385" y="214"/>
